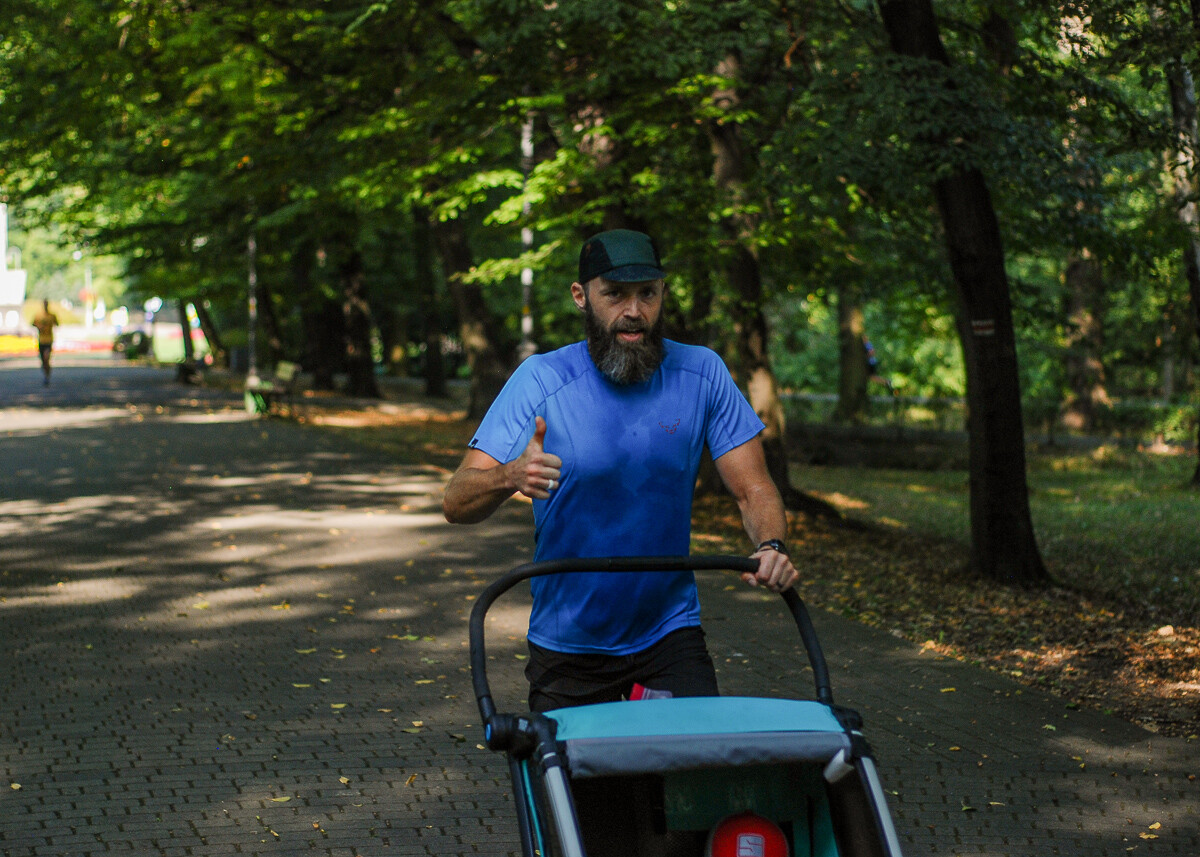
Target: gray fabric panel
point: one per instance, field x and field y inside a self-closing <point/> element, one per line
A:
<point x="597" y="757"/>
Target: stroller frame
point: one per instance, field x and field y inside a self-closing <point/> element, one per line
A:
<point x="650" y="777"/>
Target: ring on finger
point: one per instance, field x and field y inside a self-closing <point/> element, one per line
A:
<point x="551" y="484"/>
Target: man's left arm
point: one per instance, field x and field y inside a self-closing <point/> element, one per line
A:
<point x="743" y="469"/>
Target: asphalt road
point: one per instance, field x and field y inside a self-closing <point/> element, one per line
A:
<point x="234" y="636"/>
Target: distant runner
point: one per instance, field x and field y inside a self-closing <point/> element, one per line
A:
<point x="45" y="323"/>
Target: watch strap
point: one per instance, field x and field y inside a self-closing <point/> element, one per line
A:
<point x="773" y="544"/>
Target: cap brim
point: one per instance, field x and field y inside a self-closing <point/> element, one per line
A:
<point x="634" y="274"/>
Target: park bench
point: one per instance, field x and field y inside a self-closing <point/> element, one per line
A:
<point x="264" y="395"/>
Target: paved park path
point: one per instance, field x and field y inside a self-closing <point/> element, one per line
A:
<point x="231" y="636"/>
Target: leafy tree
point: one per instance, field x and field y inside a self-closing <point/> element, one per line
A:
<point x="1003" y="545"/>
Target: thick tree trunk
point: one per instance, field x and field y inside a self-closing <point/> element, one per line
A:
<point x="852" y="357"/>
<point x="360" y="365"/>
<point x="1184" y="114"/>
<point x="324" y="338"/>
<point x="1003" y="544"/>
<point x="323" y="321"/>
<point x="475" y="323"/>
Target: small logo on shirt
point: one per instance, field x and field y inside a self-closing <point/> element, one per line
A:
<point x="670" y="429"/>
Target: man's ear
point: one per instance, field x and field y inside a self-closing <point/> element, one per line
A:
<point x="579" y="294"/>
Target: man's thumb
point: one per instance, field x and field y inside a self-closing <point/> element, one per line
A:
<point x="539" y="433"/>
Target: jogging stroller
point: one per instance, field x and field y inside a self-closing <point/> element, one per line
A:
<point x="664" y="777"/>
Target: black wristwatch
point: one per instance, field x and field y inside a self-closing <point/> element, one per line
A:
<point x="775" y="545"/>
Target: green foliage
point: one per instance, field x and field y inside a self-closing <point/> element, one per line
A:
<point x="164" y="135"/>
<point x="1147" y="420"/>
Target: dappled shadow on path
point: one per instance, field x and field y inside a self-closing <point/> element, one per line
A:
<point x="229" y="635"/>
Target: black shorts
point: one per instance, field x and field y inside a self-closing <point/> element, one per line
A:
<point x="678" y="663"/>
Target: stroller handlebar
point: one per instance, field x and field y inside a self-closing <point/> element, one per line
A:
<point x="478" y="652"/>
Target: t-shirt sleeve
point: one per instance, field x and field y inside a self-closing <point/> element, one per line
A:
<point x="731" y="419"/>
<point x="508" y="425"/>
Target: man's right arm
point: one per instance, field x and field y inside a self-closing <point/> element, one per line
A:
<point x="482" y="483"/>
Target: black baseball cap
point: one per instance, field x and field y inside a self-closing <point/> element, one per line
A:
<point x="620" y="255"/>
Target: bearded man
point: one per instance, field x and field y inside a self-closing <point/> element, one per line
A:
<point x="605" y="437"/>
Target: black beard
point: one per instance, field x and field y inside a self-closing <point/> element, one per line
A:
<point x="624" y="362"/>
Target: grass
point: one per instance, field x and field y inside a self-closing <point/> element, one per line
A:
<point x="1117" y="523"/>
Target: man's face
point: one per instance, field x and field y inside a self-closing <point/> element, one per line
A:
<point x="624" y="327"/>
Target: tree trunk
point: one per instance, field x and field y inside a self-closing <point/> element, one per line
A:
<point x="268" y="322"/>
<point x="324" y="338"/>
<point x="359" y="363"/>
<point x="852" y="357"/>
<point x="1183" y="111"/>
<point x="189" y="349"/>
<point x="435" y="370"/>
<point x="1003" y="544"/>
<point x="186" y="372"/>
<point x="323" y="321"/>
<point x="1085" y="342"/>
<point x="219" y="352"/>
<point x="476" y="325"/>
<point x="750" y="324"/>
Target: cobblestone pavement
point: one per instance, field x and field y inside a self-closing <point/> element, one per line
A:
<point x="235" y="636"/>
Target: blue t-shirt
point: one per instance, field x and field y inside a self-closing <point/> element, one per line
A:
<point x="630" y="457"/>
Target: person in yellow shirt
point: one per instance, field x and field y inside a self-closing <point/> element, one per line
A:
<point x="45" y="322"/>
